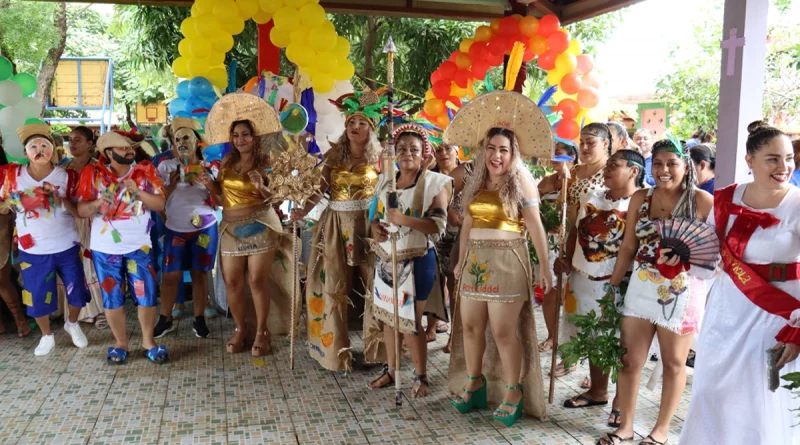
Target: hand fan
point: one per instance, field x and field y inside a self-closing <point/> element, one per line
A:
<point x="694" y="241"/>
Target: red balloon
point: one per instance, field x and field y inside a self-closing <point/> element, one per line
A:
<point x="569" y="108"/>
<point x="547" y="61"/>
<point x="448" y="70"/>
<point x="588" y="98"/>
<point x="498" y="45"/>
<point x="454" y="55"/>
<point x="455" y="101"/>
<point x="548" y="25"/>
<point x="585" y="63"/>
<point x="477" y="52"/>
<point x="508" y="26"/>
<point x="436" y="76"/>
<point x="462" y="78"/>
<point x="570" y="83"/>
<point x="568" y="129"/>
<point x="479" y="69"/>
<point x="441" y="89"/>
<point x="528" y="56"/>
<point x="558" y="41"/>
<point x="496" y="59"/>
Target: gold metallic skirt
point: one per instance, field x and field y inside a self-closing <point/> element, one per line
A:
<point x="256" y="233"/>
<point x="496" y="271"/>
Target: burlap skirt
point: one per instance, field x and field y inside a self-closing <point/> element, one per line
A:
<point x="256" y="233"/>
<point x="516" y="278"/>
<point x="340" y="269"/>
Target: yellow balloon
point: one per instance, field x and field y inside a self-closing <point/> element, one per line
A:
<point x="286" y="17"/>
<point x="566" y="62"/>
<point x="299" y="36"/>
<point x="429" y="95"/>
<point x="344" y="70"/>
<point x="248" y="8"/>
<point x="270" y="6"/>
<point x="196" y="12"/>
<point x="206" y="26"/>
<point x="322" y="38"/>
<point x="218" y="77"/>
<point x="187" y="28"/>
<point x="222" y="43"/>
<point x="322" y="83"/>
<point x="312" y="15"/>
<point x="457" y="91"/>
<point x="236" y="28"/>
<point x="225" y="11"/>
<point x="559" y="95"/>
<point x="261" y="17"/>
<point x="325" y="62"/>
<point x="554" y="77"/>
<point x="197" y="67"/>
<point x="279" y="37"/>
<point x="183" y="47"/>
<point x="180" y="67"/>
<point x="300" y="54"/>
<point x="203" y="6"/>
<point x="215" y="59"/>
<point x="294" y="3"/>
<point x="574" y="47"/>
<point x="342" y="47"/>
<point x="199" y="47"/>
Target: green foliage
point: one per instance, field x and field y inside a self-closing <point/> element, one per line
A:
<point x="27" y="33"/>
<point x="597" y="338"/>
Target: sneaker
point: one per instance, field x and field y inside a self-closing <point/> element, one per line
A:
<point x="46" y="344"/>
<point x="78" y="337"/>
<point x="163" y="327"/>
<point x="199" y="327"/>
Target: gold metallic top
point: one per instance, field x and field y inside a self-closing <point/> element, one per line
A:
<point x="355" y="185"/>
<point x="237" y="190"/>
<point x="486" y="210"/>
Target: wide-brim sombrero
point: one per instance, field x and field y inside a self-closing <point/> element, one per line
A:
<point x="238" y="107"/>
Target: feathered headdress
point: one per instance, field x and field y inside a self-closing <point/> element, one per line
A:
<point x="367" y="104"/>
<point x="413" y="127"/>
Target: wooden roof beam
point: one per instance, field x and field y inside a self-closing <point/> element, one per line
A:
<point x="586" y="9"/>
<point x="547" y="7"/>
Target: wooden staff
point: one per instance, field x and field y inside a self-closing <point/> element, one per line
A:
<point x="295" y="256"/>
<point x="388" y="168"/>
<point x="559" y="288"/>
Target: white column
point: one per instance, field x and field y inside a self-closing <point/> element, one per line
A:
<point x="741" y="92"/>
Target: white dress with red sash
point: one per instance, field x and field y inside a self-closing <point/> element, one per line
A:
<point x="731" y="403"/>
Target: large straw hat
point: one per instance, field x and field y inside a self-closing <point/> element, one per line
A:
<point x="113" y="139"/>
<point x="237" y="107"/>
<point x="504" y="109"/>
<point x="25" y="132"/>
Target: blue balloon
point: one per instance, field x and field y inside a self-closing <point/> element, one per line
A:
<point x="176" y="106"/>
<point x="195" y="103"/>
<point x="181" y="114"/>
<point x="200" y="87"/>
<point x="183" y="89"/>
<point x="216" y="152"/>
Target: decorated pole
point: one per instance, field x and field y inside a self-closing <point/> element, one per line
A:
<point x="559" y="288"/>
<point x="388" y="169"/>
<point x="295" y="256"/>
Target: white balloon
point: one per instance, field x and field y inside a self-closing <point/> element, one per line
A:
<point x="10" y="93"/>
<point x="12" y="144"/>
<point x="11" y="118"/>
<point x="30" y="107"/>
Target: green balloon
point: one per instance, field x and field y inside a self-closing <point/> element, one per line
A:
<point x="6" y="69"/>
<point x="22" y="161"/>
<point x="34" y="120"/>
<point x="26" y="82"/>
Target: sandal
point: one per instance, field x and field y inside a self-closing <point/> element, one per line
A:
<point x="610" y="439"/>
<point x="477" y="397"/>
<point x="441" y="327"/>
<point x="116" y="356"/>
<point x="100" y="322"/>
<point x="234" y="348"/>
<point x="650" y="441"/>
<point x="422" y="379"/>
<point x="258" y="350"/>
<point x="561" y="371"/>
<point x="24" y="329"/>
<point x="387" y="372"/>
<point x="157" y="354"/>
<point x="508" y="418"/>
<point x="546" y="346"/>
<point x="570" y="403"/>
<point x="617" y="417"/>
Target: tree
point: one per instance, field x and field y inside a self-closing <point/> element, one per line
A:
<point x="47" y="72"/>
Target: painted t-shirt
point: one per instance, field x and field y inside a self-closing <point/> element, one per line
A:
<point x="189" y="207"/>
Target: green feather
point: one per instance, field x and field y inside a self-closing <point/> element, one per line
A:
<point x="488" y="83"/>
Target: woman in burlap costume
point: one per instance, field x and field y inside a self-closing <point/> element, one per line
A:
<point x="340" y="267"/>
<point x="499" y="365"/>
<point x="252" y="240"/>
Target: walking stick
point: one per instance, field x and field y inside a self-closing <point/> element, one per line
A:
<point x="388" y="167"/>
<point x="559" y="288"/>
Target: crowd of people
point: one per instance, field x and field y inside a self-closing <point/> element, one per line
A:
<point x="102" y="225"/>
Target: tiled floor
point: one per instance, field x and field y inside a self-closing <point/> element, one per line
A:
<point x="205" y="396"/>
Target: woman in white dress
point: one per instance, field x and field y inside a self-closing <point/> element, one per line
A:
<point x="748" y="309"/>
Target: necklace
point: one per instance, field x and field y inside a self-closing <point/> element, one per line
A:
<point x="663" y="207"/>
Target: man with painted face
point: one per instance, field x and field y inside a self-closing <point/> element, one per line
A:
<point x="39" y="193"/>
<point x="190" y="235"/>
<point x="119" y="195"/>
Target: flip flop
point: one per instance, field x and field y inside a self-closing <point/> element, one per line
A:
<point x="100" y="322"/>
<point x="116" y="353"/>
<point x="610" y="437"/>
<point x="650" y="441"/>
<point x="158" y="354"/>
<point x="617" y="414"/>
<point x="570" y="403"/>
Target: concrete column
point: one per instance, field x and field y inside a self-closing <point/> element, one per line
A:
<point x="741" y="92"/>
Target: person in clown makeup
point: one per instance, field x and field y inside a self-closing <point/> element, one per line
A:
<point x="49" y="244"/>
<point x="190" y="235"/>
<point x="118" y="194"/>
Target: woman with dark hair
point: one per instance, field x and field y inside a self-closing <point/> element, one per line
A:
<point x="704" y="164"/>
<point x="419" y="218"/>
<point x="655" y="305"/>
<point x="8" y="291"/>
<point x="620" y="136"/>
<point x="591" y="253"/>
<point x="754" y="306"/>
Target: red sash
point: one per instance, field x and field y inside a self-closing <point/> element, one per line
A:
<point x="755" y="287"/>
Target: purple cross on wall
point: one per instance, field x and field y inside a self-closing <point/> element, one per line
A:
<point x="731" y="44"/>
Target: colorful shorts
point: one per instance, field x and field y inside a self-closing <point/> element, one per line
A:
<point x="192" y="250"/>
<point x="136" y="267"/>
<point x="39" y="276"/>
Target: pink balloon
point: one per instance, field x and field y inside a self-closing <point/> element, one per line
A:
<point x="585" y="63"/>
<point x="590" y="81"/>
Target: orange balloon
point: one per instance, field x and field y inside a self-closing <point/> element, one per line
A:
<point x="569" y="108"/>
<point x="442" y="120"/>
<point x="434" y="107"/>
<point x="548" y="25"/>
<point x="465" y="45"/>
<point x="571" y="83"/>
<point x="547" y="61"/>
<point x="538" y="44"/>
<point x="528" y="25"/>
<point x="568" y="129"/>
<point x="566" y="62"/>
<point x="463" y="61"/>
<point x="588" y="98"/>
<point x="483" y="33"/>
<point x="494" y="25"/>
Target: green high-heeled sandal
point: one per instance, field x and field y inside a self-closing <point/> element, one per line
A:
<point x="477" y="398"/>
<point x="508" y="418"/>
